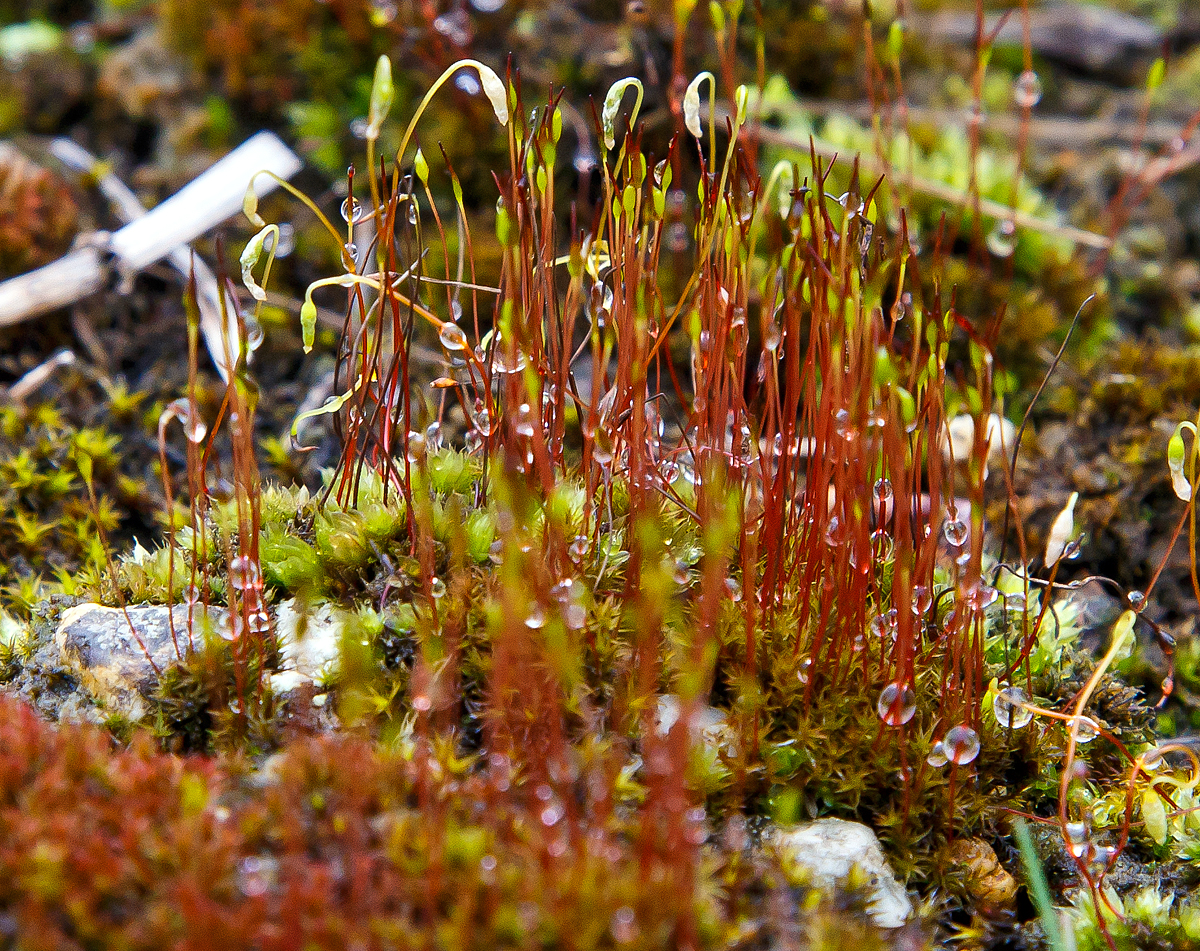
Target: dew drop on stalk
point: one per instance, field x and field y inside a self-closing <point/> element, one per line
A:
<point x="193" y="428"/>
<point x="883" y="625"/>
<point x="523" y="420"/>
<point x="881" y="492"/>
<point x="1136" y="600"/>
<point x="352" y="210"/>
<point x="578" y="548"/>
<point x="254" y="333"/>
<point x="496" y="552"/>
<point x="680" y="575"/>
<point x="417" y="446"/>
<point x="962" y="745"/>
<point x="1027" y="90"/>
<point x="421" y="703"/>
<point x="841" y="423"/>
<point x="1076" y="834"/>
<point x="1009" y="708"/>
<point x="956" y="532"/>
<point x="835" y="532"/>
<point x="243" y="572"/>
<point x="259" y="621"/>
<point x="452" y="337"/>
<point x="1002" y="239"/>
<point x="937" y="755"/>
<point x="897" y="704"/>
<point x="1087" y="729"/>
<point x="359" y="127"/>
<point x="734" y="589"/>
<point x="483" y="422"/>
<point x="882" y="545"/>
<point x="437" y="588"/>
<point x="352" y="252"/>
<point x="433" y="436"/>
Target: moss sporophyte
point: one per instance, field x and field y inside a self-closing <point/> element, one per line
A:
<point x="677" y="544"/>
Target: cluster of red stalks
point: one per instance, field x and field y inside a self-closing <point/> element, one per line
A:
<point x="757" y="358"/>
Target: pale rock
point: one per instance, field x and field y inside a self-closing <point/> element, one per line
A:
<point x="308" y="645"/>
<point x="100" y="647"/>
<point x="824" y="852"/>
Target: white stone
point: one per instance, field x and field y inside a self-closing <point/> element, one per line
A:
<point x="958" y="438"/>
<point x="824" y="852"/>
<point x="308" y="644"/>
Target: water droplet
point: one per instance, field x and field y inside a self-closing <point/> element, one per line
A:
<point x="676" y="237"/>
<point x="1002" y="239"/>
<point x="422" y="703"/>
<point x="881" y="492"/>
<point x="1087" y="729"/>
<point x="884" y="625"/>
<point x="962" y="745"/>
<point x="523" y="420"/>
<point x="456" y="28"/>
<point x="1076" y="833"/>
<point x="1136" y="600"/>
<point x="352" y="210"/>
<point x="882" y="545"/>
<point x="483" y="423"/>
<point x="452" y="337"/>
<point x="624" y="925"/>
<point x="841" y="423"/>
<point x="381" y="12"/>
<point x="359" y="127"/>
<point x="835" y="532"/>
<point x="243" y="573"/>
<point x="578" y="548"/>
<point x="956" y="532"/>
<point x="496" y="552"/>
<point x="1027" y="90"/>
<point x="1009" y="708"/>
<point x="259" y="621"/>
<point x="734" y="589"/>
<point x="181" y="409"/>
<point x="417" y="447"/>
<point x="254" y="333"/>
<point x="467" y="82"/>
<point x="256" y="876"/>
<point x="937" y="755"/>
<point x="536" y="618"/>
<point x="897" y="704"/>
<point x="287" y="241"/>
<point x="487" y="6"/>
<point x="437" y="588"/>
<point x="433" y="436"/>
<point x="351" y="252"/>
